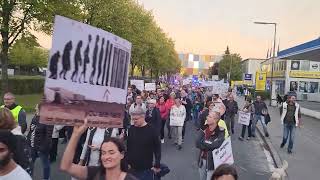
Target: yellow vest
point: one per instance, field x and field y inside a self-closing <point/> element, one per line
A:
<point x="15" y="112"/>
<point x="222" y="124"/>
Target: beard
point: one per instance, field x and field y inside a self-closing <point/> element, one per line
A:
<point x="5" y="161"/>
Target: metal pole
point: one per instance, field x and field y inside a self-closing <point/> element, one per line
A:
<point x="272" y="63"/>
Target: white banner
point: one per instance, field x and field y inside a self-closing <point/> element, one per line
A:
<point x="223" y="155"/>
<point x="139" y="84"/>
<point x="150" y="86"/>
<point x="244" y="118"/>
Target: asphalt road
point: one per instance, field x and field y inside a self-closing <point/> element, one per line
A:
<point x="250" y="159"/>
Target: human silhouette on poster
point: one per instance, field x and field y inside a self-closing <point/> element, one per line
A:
<point x="100" y="62"/>
<point x="94" y="60"/>
<point x="66" y="60"/>
<point x="105" y="63"/>
<point x="86" y="60"/>
<point x="108" y="65"/>
<point x="77" y="62"/>
<point x="114" y="66"/>
<point x="53" y="67"/>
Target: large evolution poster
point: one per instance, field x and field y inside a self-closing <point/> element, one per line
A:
<point x="87" y="76"/>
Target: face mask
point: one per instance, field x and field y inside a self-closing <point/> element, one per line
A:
<point x="5" y="161"/>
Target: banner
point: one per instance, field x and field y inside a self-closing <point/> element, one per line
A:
<point x="314" y="66"/>
<point x="138" y="83"/>
<point x="247" y="77"/>
<point x="150" y="86"/>
<point x="87" y="76"/>
<point x="244" y="118"/>
<point x="261" y="78"/>
<point x="223" y="155"/>
<point x="305" y="74"/>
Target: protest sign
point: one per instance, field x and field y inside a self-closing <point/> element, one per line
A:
<point x="223" y="155"/>
<point x="150" y="86"/>
<point x="244" y="118"/>
<point x="87" y="76"/>
<point x="138" y="83"/>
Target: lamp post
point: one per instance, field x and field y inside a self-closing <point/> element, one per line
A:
<point x="274" y="53"/>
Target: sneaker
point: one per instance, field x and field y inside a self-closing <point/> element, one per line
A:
<point x="162" y="141"/>
<point x="289" y="151"/>
<point x="232" y="131"/>
<point x="169" y="136"/>
<point x="253" y="136"/>
<point x="175" y="143"/>
<point x="282" y="145"/>
<point x="179" y="147"/>
<point x="241" y="138"/>
<point x="267" y="134"/>
<point x="248" y="138"/>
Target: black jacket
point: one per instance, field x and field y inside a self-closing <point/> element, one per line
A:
<point x="214" y="142"/>
<point x="40" y="135"/>
<point x="259" y="106"/>
<point x="154" y="119"/>
<point x="203" y="117"/>
<point x="231" y="108"/>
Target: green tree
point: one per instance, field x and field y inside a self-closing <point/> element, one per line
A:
<point x="230" y="63"/>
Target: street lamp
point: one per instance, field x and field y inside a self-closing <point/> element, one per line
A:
<point x="274" y="52"/>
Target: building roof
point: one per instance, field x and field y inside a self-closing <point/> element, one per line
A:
<point x="306" y="51"/>
<point x="253" y="59"/>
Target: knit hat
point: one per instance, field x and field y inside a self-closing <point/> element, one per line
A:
<point x="7" y="138"/>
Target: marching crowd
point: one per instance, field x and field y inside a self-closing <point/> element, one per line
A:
<point x="134" y="151"/>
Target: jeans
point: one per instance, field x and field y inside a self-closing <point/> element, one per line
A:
<point x="230" y="122"/>
<point x="288" y="129"/>
<point x="196" y="118"/>
<point x="54" y="149"/>
<point x="163" y="123"/>
<point x="44" y="157"/>
<point x="143" y="175"/>
<point x="177" y="131"/>
<point x="243" y="131"/>
<point x="168" y="127"/>
<point x="184" y="129"/>
<point x="263" y="123"/>
<point x="203" y="172"/>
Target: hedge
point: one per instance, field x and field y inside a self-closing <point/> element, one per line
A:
<point x="26" y="85"/>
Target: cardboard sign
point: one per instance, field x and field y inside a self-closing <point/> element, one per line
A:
<point x="223" y="155"/>
<point x="244" y="118"/>
<point x="138" y="83"/>
<point x="87" y="76"/>
<point x="150" y="86"/>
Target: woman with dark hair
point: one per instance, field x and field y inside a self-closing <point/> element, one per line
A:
<point x="225" y="172"/>
<point x="112" y="166"/>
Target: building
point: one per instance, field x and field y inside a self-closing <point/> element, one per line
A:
<point x="249" y="67"/>
<point x="195" y="64"/>
<point x="296" y="69"/>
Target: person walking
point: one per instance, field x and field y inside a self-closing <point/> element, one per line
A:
<point x="177" y="120"/>
<point x="290" y="118"/>
<point x="9" y="169"/>
<point x="169" y="103"/>
<point x="137" y="105"/>
<point x="17" y="111"/>
<point x="186" y="102"/>
<point x="260" y="110"/>
<point x="143" y="143"/>
<point x="208" y="140"/>
<point x="112" y="159"/>
<point x="231" y="111"/>
<point x="153" y="115"/>
<point x="164" y="111"/>
<point x="247" y="109"/>
<point x="40" y="136"/>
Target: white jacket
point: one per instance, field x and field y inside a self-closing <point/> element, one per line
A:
<point x="56" y="129"/>
<point x="134" y="106"/>
<point x="284" y="112"/>
<point x="17" y="131"/>
<point x="177" y="115"/>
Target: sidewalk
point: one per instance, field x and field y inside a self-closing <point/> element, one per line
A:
<point x="305" y="160"/>
<point x="310" y="108"/>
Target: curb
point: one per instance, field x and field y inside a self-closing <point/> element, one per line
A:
<point x="311" y="113"/>
<point x="277" y="160"/>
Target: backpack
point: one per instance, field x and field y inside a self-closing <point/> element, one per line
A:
<point x="22" y="154"/>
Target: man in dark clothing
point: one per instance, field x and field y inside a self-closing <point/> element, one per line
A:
<point x="143" y="143"/>
<point x="153" y="115"/>
<point x="260" y="110"/>
<point x="290" y="118"/>
<point x="39" y="137"/>
<point x="188" y="105"/>
<point x="17" y="111"/>
<point x="231" y="111"/>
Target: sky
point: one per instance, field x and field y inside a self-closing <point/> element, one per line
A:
<point x="209" y="26"/>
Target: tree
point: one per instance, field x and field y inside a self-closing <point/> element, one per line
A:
<point x="214" y="70"/>
<point x="21" y="16"/>
<point x="230" y="63"/>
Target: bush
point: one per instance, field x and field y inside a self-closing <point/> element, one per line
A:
<point x="26" y="84"/>
<point x="264" y="94"/>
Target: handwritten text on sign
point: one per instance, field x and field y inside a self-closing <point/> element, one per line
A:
<point x="223" y="155"/>
<point x="244" y="118"/>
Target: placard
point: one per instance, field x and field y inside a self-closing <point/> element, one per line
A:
<point x="244" y="118"/>
<point x="87" y="76"/>
<point x="138" y="83"/>
<point x="150" y="86"/>
<point x="223" y="155"/>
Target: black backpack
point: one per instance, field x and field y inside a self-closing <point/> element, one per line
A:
<point x="22" y="153"/>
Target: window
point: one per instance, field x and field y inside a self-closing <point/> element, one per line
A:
<point x="313" y="87"/>
<point x="305" y="65"/>
<point x="303" y="86"/>
<point x="280" y="87"/>
<point x="293" y="86"/>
